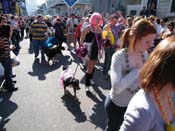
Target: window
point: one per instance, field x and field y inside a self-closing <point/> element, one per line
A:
<point x="133" y="12"/>
<point x="173" y="6"/>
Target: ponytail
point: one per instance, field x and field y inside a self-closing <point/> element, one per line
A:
<point x="125" y="38"/>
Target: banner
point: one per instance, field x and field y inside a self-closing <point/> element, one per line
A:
<point x="70" y="3"/>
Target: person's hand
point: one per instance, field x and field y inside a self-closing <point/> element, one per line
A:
<point x="12" y="47"/>
<point x="107" y="37"/>
<point x="119" y="13"/>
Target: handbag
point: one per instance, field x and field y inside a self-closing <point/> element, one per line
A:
<point x="1" y="71"/>
<point x="100" y="47"/>
<point x="81" y="51"/>
<point x="88" y="45"/>
<point x="84" y="50"/>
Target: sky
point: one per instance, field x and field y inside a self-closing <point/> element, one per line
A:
<point x="39" y="2"/>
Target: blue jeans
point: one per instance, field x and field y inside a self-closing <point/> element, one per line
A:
<point x="108" y="56"/>
<point x="115" y="115"/>
<point x="37" y="45"/>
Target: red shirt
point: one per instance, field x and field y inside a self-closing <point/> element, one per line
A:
<point x="78" y="31"/>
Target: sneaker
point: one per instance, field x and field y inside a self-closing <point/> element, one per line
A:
<point x="92" y="82"/>
<point x="87" y="88"/>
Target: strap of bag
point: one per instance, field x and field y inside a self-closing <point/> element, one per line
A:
<point x="98" y="43"/>
<point x="75" y="70"/>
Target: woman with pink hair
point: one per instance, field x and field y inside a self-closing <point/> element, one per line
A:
<point x="92" y="35"/>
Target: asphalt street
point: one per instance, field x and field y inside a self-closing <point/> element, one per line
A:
<point x="40" y="104"/>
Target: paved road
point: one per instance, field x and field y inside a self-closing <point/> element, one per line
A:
<point x="39" y="104"/>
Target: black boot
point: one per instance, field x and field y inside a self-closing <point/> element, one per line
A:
<point x="87" y="81"/>
<point x="91" y="77"/>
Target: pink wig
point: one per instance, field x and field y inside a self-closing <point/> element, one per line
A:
<point x="93" y="18"/>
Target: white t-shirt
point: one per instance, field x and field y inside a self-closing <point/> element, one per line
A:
<point x="70" y="24"/>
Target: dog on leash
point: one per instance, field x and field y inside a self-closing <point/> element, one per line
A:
<point x="67" y="79"/>
<point x="51" y="52"/>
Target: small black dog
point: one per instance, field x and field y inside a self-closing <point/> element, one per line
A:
<point x="68" y="79"/>
<point x="52" y="51"/>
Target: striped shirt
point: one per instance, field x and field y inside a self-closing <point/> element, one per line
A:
<point x="4" y="47"/>
<point x="39" y="30"/>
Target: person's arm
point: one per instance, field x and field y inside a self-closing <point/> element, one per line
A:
<point x="122" y="18"/>
<point x="118" y="81"/>
<point x="6" y="46"/>
<point x="83" y="35"/>
<point x="46" y="30"/>
<point x="137" y="119"/>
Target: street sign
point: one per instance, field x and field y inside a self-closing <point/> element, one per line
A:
<point x="70" y="3"/>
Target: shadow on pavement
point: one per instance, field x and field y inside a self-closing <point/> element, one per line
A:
<point x="98" y="117"/>
<point x="41" y="69"/>
<point x="7" y="107"/>
<point x="100" y="81"/>
<point x="73" y="105"/>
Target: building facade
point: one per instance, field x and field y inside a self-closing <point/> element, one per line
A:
<point x="166" y="8"/>
<point x="109" y="6"/>
<point x="160" y="8"/>
<point x="58" y="7"/>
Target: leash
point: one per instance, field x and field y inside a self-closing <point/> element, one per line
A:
<point x="75" y="70"/>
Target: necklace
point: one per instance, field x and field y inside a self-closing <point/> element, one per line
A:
<point x="157" y="97"/>
<point x="128" y="68"/>
<point x="127" y="60"/>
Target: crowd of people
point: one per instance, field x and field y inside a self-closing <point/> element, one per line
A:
<point x="138" y="51"/>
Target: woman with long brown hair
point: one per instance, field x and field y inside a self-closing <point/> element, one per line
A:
<point x="125" y="66"/>
<point x="153" y="107"/>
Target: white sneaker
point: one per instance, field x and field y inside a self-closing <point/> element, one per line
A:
<point x="87" y="88"/>
<point x="92" y="82"/>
